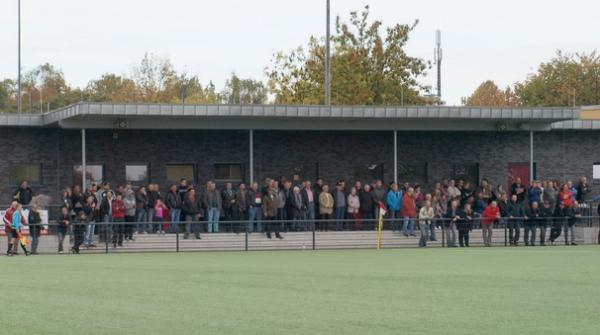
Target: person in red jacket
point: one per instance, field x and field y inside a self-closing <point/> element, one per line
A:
<point x="118" y="211"/>
<point x="409" y="212"/>
<point x="566" y="196"/>
<point x="490" y="214"/>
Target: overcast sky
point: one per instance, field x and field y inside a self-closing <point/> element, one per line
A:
<point x="503" y="40"/>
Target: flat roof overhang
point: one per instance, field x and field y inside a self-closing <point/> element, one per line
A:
<point x="298" y="117"/>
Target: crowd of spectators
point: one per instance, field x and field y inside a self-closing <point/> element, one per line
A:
<point x="455" y="207"/>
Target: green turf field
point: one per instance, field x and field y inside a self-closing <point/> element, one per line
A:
<point x="554" y="290"/>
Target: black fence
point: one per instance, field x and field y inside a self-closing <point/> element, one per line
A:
<point x="119" y="236"/>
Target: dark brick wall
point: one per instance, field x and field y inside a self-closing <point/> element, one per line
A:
<point x="423" y="156"/>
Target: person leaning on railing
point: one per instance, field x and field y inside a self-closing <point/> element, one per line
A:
<point x="409" y="212"/>
<point x="326" y="205"/>
<point x="366" y="206"/>
<point x="269" y="208"/>
<point x="560" y="214"/>
<point x="465" y="225"/>
<point x="546" y="213"/>
<point x="129" y="201"/>
<point x="516" y="214"/>
<point x="490" y="215"/>
<point x="63" y="224"/>
<point x="192" y="208"/>
<point x="118" y="229"/>
<point x="299" y="209"/>
<point x="451" y="217"/>
<point x="574" y="215"/>
<point x="533" y="214"/>
<point x="426" y="216"/>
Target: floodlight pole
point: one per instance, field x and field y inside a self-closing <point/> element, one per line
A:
<point x="531" y="166"/>
<point x="251" y="156"/>
<point x="328" y="56"/>
<point x="83" y="162"/>
<point x="19" y="104"/>
<point x="396" y="156"/>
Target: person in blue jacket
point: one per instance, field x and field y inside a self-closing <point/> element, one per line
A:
<point x="394" y="204"/>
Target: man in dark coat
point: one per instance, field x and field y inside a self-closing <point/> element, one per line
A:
<point x="516" y="215"/>
<point x="228" y="201"/>
<point x="534" y="216"/>
<point x="173" y="202"/>
<point x="23" y="194"/>
<point x="269" y="208"/>
<point x="192" y="209"/>
<point x="366" y="206"/>
<point x="547" y="213"/>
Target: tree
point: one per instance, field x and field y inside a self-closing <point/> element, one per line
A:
<point x="7" y="96"/>
<point x="211" y="95"/>
<point x="367" y="68"/>
<point x="183" y="88"/>
<point x="152" y="77"/>
<point x="244" y="91"/>
<point x="567" y="79"/>
<point x="47" y="85"/>
<point x="114" y="88"/>
<point x="489" y="95"/>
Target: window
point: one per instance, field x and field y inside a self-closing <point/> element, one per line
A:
<point x="176" y="172"/>
<point x="415" y="173"/>
<point x="466" y="172"/>
<point x="228" y="171"/>
<point x="93" y="174"/>
<point x="30" y="172"/>
<point x="137" y="173"/>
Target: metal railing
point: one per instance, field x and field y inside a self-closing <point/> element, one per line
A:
<point x="244" y="235"/>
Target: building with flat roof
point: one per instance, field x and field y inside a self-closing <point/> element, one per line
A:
<point x="161" y="143"/>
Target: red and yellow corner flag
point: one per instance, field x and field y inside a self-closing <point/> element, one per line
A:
<point x="23" y="240"/>
<point x="382" y="211"/>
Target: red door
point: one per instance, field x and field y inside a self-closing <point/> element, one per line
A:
<point x="518" y="170"/>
